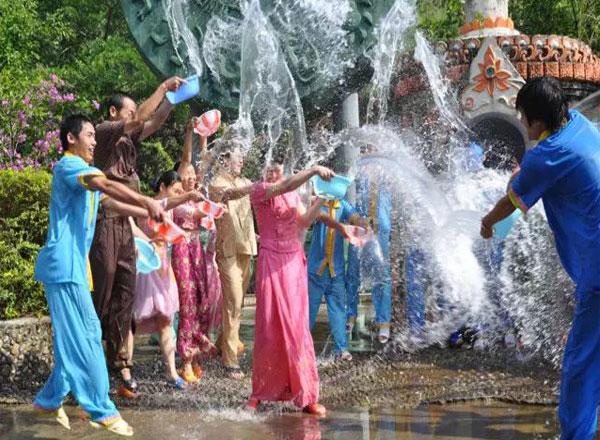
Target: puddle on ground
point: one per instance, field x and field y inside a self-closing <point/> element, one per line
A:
<point x="475" y="420"/>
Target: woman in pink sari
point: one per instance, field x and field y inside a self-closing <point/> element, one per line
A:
<point x="283" y="365"/>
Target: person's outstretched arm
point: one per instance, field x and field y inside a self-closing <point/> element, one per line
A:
<point x="308" y="217"/>
<point x="503" y="209"/>
<point x="188" y="146"/>
<point x="173" y="202"/>
<point x="147" y="108"/>
<point x="295" y="181"/>
<point x="123" y="194"/>
<point x="124" y="209"/>
<point x="157" y="120"/>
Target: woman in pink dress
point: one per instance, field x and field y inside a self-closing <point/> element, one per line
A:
<point x="156" y="296"/>
<point x="190" y="268"/>
<point x="283" y="365"/>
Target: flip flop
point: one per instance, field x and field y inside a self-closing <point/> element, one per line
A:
<point x="116" y="426"/>
<point x="178" y="384"/>
<point x="315" y="409"/>
<point x="235" y="373"/>
<point x="252" y="405"/>
<point x="57" y="414"/>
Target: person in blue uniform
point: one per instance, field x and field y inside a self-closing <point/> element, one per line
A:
<point x="327" y="270"/>
<point x="63" y="267"/>
<point x="563" y="169"/>
<point x="373" y="202"/>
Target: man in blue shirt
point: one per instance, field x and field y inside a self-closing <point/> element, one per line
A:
<point x="63" y="267"/>
<point x="563" y="170"/>
<point x="327" y="270"/>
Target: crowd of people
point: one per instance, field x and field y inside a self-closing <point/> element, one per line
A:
<point x="97" y="210"/>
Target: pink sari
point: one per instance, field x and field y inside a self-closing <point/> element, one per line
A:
<point x="283" y="364"/>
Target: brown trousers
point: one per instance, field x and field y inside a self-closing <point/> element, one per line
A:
<point x="234" y="272"/>
<point x="112" y="258"/>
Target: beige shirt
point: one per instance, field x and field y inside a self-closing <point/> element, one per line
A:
<point x="235" y="230"/>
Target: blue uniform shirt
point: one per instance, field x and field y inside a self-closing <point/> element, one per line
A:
<point x="72" y="220"/>
<point x="327" y="245"/>
<point x="564" y="171"/>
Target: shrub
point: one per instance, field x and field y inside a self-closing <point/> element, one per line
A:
<point x="24" y="200"/>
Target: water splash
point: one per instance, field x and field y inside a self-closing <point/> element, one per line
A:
<point x="391" y="38"/>
<point x="445" y="100"/>
<point x="184" y="42"/>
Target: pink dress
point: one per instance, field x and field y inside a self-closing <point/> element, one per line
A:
<point x="189" y="266"/>
<point x="214" y="298"/>
<point x="156" y="292"/>
<point x="283" y="364"/>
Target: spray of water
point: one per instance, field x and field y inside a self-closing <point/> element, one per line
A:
<point x="391" y="37"/>
<point x="184" y="42"/>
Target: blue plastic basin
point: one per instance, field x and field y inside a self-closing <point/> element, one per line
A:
<point x="147" y="259"/>
<point x="333" y="189"/>
<point x="503" y="227"/>
<point x="185" y="91"/>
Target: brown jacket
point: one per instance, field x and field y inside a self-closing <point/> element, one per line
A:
<point x="235" y="230"/>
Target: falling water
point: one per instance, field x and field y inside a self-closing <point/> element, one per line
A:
<point x="391" y="37"/>
<point x="184" y="42"/>
<point x="445" y="100"/>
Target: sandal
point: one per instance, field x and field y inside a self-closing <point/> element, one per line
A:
<point x="128" y="389"/>
<point x="189" y="376"/>
<point x="345" y="356"/>
<point x="384" y="334"/>
<point x="178" y="384"/>
<point x="58" y="414"/>
<point x="116" y="426"/>
<point x="252" y="404"/>
<point x="235" y="373"/>
<point x="315" y="409"/>
<point x="198" y="371"/>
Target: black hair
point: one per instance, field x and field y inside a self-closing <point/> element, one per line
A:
<point x="72" y="123"/>
<point x="167" y="178"/>
<point x="115" y="101"/>
<point x="543" y="99"/>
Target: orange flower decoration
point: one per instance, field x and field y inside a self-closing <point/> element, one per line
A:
<point x="492" y="75"/>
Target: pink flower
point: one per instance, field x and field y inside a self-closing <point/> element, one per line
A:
<point x="27" y="101"/>
<point x="53" y="77"/>
<point x="96" y="104"/>
<point x="5" y="103"/>
<point x="21" y="138"/>
<point x="69" y="97"/>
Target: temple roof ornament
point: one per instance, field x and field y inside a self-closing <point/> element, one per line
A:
<point x="493" y="82"/>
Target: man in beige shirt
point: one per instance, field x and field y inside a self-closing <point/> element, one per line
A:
<point x="236" y="244"/>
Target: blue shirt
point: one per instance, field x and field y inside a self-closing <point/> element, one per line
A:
<point x="374" y="202"/>
<point x="564" y="171"/>
<point x="327" y="245"/>
<point x="72" y="221"/>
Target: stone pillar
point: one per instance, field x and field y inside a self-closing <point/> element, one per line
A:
<point x="346" y="116"/>
<point x="482" y="9"/>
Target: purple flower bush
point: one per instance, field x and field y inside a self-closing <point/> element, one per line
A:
<point x="29" y="124"/>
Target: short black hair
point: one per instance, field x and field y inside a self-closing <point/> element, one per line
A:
<point x="543" y="99"/>
<point x="72" y="123"/>
<point x="115" y="101"/>
<point x="167" y="178"/>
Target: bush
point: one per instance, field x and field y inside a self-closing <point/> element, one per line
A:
<point x="24" y="200"/>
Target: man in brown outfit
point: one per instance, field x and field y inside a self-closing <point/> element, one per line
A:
<point x="236" y="244"/>
<point x="112" y="255"/>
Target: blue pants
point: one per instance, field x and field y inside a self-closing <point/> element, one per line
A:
<point x="79" y="363"/>
<point x="580" y="378"/>
<point x="381" y="291"/>
<point x="415" y="299"/>
<point x="334" y="290"/>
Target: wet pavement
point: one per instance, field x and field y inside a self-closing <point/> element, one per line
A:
<point x="477" y="420"/>
<point x="373" y="397"/>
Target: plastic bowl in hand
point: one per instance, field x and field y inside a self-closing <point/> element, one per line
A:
<point x="187" y="90"/>
<point x="147" y="260"/>
<point x="333" y="189"/>
<point x="503" y="227"/>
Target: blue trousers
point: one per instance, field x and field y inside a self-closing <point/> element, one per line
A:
<point x="415" y="300"/>
<point x="334" y="290"/>
<point x="79" y="362"/>
<point x="381" y="292"/>
<point x="580" y="378"/>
